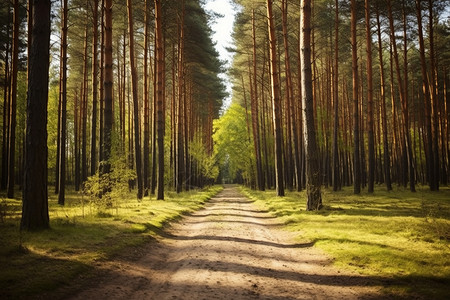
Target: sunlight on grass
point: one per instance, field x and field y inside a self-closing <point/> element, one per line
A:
<point x="399" y="235"/>
<point x="81" y="234"/>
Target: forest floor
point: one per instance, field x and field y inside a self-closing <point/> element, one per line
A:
<point x="230" y="249"/>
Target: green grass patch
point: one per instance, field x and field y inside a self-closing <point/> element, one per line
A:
<point x="81" y="234"/>
<point x="398" y="235"/>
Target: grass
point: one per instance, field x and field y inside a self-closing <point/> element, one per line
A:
<point x="81" y="234"/>
<point x="398" y="235"/>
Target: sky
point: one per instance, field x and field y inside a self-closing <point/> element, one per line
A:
<point x="222" y="28"/>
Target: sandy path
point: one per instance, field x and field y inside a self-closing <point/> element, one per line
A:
<point x="228" y="250"/>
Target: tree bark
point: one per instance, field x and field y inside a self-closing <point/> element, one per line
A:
<point x="108" y="89"/>
<point x="146" y="106"/>
<point x="336" y="170"/>
<point x="35" y="195"/>
<point x="94" y="87"/>
<point x="159" y="99"/>
<point x="355" y="82"/>
<point x="276" y="106"/>
<point x="61" y="179"/>
<point x="370" y="134"/>
<point x="313" y="176"/>
<point x="13" y="101"/>
<point x="137" y="140"/>
<point x="386" y="154"/>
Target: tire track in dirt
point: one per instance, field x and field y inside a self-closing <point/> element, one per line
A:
<point x="229" y="250"/>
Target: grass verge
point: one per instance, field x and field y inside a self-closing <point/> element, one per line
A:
<point x="398" y="235"/>
<point x="81" y="235"/>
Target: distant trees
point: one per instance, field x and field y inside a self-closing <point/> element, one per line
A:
<point x="152" y="83"/>
<point x="378" y="91"/>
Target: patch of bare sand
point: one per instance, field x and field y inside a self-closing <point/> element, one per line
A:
<point x="228" y="250"/>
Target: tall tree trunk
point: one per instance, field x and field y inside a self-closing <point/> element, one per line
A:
<point x="313" y="176"/>
<point x="432" y="181"/>
<point x="159" y="99"/>
<point x="6" y="99"/>
<point x="255" y="115"/>
<point x="276" y="96"/>
<point x="94" y="87"/>
<point x="146" y="105"/>
<point x="336" y="169"/>
<point x="108" y="89"/>
<point x="404" y="102"/>
<point x="370" y="135"/>
<point x="386" y="155"/>
<point x="434" y="97"/>
<point x="137" y="140"/>
<point x="83" y="114"/>
<point x="13" y="102"/>
<point x="356" y="133"/>
<point x="61" y="179"/>
<point x="180" y="167"/>
<point x="102" y="72"/>
<point x="35" y="197"/>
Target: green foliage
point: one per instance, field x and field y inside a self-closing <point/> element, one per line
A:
<point x="399" y="236"/>
<point x="104" y="189"/>
<point x="206" y="163"/>
<point x="232" y="143"/>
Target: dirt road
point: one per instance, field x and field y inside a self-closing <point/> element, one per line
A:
<point x="229" y="250"/>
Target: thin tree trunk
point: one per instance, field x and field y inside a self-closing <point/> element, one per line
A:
<point x="255" y="114"/>
<point x="404" y="101"/>
<point x="180" y="168"/>
<point x="94" y="88"/>
<point x="83" y="114"/>
<point x="61" y="179"/>
<point x="159" y="96"/>
<point x="146" y="105"/>
<point x="108" y="89"/>
<point x="313" y="176"/>
<point x="356" y="133"/>
<point x="137" y="140"/>
<point x="6" y="99"/>
<point x="434" y="97"/>
<point x="35" y="195"/>
<point x="370" y="135"/>
<point x="276" y="96"/>
<point x="386" y="155"/>
<point x="336" y="169"/>
<point x="13" y="102"/>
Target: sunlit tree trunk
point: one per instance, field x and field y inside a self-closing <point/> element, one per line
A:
<point x="108" y="89"/>
<point x="336" y="164"/>
<point x="356" y="133"/>
<point x="159" y="99"/>
<point x="313" y="176"/>
<point x="404" y="101"/>
<point x="35" y="195"/>
<point x="386" y="155"/>
<point x="146" y="105"/>
<point x="276" y="96"/>
<point x="83" y="114"/>
<point x="427" y="103"/>
<point x="137" y="140"/>
<point x="434" y="97"/>
<point x="255" y="114"/>
<point x="180" y="163"/>
<point x="370" y="134"/>
<point x="61" y="179"/>
<point x="94" y="87"/>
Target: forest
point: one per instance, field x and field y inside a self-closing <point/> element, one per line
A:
<point x="111" y="104"/>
